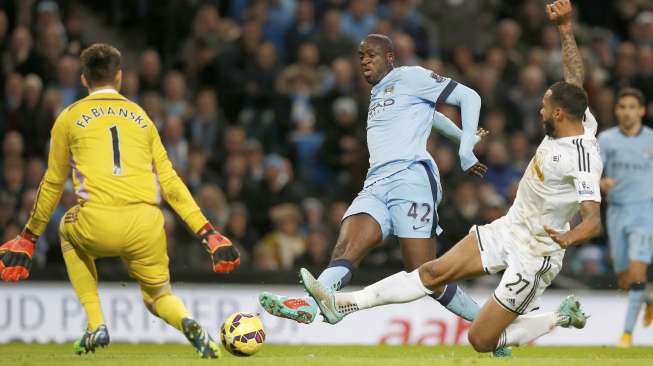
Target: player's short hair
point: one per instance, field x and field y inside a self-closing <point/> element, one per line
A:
<point x="100" y="63"/>
<point x="572" y="98"/>
<point x="632" y="92"/>
<point x="382" y="40"/>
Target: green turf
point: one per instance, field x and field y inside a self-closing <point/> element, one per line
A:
<point x="178" y="355"/>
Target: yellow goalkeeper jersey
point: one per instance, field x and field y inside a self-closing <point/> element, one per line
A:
<point x="116" y="157"/>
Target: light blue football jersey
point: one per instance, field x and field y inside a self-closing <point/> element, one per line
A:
<point x="399" y="119"/>
<point x="628" y="160"/>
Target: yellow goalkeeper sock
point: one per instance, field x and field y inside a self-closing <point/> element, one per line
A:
<point x="171" y="309"/>
<point x="83" y="277"/>
<point x="162" y="303"/>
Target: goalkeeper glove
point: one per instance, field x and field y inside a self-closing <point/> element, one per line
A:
<point x="224" y="255"/>
<point x="16" y="257"/>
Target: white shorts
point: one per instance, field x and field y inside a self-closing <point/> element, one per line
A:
<point x="526" y="275"/>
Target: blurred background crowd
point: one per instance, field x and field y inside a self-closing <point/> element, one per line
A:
<point x="262" y="107"/>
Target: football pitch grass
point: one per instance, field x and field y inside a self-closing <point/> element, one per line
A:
<point x="178" y="355"/>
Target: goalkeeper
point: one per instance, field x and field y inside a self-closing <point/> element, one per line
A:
<point x="120" y="171"/>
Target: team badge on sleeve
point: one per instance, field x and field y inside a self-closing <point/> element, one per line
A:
<point x="438" y="78"/>
<point x="585" y="188"/>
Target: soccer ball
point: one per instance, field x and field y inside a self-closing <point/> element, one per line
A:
<point x="242" y="334"/>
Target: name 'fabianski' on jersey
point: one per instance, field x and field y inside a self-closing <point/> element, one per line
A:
<point x="563" y="173"/>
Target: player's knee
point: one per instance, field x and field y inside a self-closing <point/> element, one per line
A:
<point x="152" y="293"/>
<point x="149" y="305"/>
<point x="480" y="342"/>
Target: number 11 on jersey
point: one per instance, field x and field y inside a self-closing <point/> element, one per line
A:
<point x="115" y="141"/>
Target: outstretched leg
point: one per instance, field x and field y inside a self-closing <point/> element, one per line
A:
<point x="358" y="235"/>
<point x="497" y="327"/>
<point x="462" y="261"/>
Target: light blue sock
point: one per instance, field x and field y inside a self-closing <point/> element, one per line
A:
<point x="456" y="300"/>
<point x="337" y="275"/>
<point x="635" y="298"/>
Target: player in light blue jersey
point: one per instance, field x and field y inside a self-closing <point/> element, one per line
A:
<point x="627" y="154"/>
<point x="402" y="189"/>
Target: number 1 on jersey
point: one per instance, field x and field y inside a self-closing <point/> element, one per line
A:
<point x="115" y="141"/>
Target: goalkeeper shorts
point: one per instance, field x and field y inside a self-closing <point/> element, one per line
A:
<point x="134" y="233"/>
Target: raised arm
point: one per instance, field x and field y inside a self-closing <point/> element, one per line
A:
<point x="572" y="63"/>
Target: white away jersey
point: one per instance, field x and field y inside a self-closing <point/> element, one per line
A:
<point x="563" y="173"/>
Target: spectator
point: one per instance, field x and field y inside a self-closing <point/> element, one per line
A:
<point x="343" y="148"/>
<point x="153" y="105"/>
<point x="14" y="90"/>
<point x="229" y="72"/>
<point x="131" y="87"/>
<point x="214" y="205"/>
<point x="197" y="172"/>
<point x="175" y="100"/>
<point x="404" y="50"/>
<point x="239" y="229"/>
<point x="318" y="245"/>
<point x="458" y="216"/>
<point x="175" y="143"/>
<point x="68" y="82"/>
<point x="150" y="71"/>
<point x="500" y="173"/>
<point x="313" y="213"/>
<point x="207" y="122"/>
<point x="34" y="172"/>
<point x="405" y="19"/>
<point x="332" y="42"/>
<point x="524" y="102"/>
<point x="13" y="146"/>
<point x="286" y="242"/>
<point x="20" y="56"/>
<point x="235" y="181"/>
<point x="358" y="21"/>
<point x="303" y="29"/>
<point x="4" y="31"/>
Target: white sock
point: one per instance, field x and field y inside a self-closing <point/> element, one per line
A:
<point x="527" y="328"/>
<point x="399" y="288"/>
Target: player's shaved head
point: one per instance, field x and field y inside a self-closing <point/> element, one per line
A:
<point x="100" y="64"/>
<point x="376" y="54"/>
<point x="380" y="40"/>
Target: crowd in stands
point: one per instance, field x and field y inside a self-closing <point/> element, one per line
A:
<point x="262" y="107"/>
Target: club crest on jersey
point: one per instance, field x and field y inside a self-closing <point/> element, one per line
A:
<point x="647" y="153"/>
<point x="388" y="90"/>
<point x="438" y="78"/>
